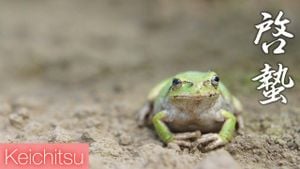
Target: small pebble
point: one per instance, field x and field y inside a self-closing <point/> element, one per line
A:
<point x="60" y="135"/>
<point x="84" y="111"/>
<point x="125" y="139"/>
<point x="174" y="146"/>
<point x="87" y="138"/>
<point x="19" y="118"/>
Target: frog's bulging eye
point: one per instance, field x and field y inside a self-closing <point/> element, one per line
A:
<point x="215" y="80"/>
<point x="176" y="82"/>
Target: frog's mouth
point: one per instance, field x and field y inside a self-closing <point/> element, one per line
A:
<point x="193" y="103"/>
<point x="195" y="97"/>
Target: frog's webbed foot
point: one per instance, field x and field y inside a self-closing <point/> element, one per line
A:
<point x="162" y="130"/>
<point x="211" y="141"/>
<point x="184" y="139"/>
<point x="176" y="144"/>
<point x="187" y="135"/>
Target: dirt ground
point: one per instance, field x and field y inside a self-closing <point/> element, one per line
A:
<point x="78" y="71"/>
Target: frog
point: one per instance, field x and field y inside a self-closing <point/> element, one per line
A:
<point x="192" y="109"/>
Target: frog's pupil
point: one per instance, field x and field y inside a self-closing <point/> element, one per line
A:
<point x="176" y="81"/>
<point x="217" y="79"/>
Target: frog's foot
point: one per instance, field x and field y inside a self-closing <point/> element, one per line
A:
<point x="211" y="141"/>
<point x="187" y="135"/>
<point x="184" y="139"/>
<point x="176" y="144"/>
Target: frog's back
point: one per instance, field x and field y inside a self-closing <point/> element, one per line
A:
<point x="158" y="89"/>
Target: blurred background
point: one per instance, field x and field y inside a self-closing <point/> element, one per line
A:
<point x="76" y="42"/>
<point x="62" y="57"/>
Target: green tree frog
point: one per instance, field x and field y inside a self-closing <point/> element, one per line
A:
<point x="192" y="109"/>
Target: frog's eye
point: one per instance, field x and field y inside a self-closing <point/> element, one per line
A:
<point x="176" y="82"/>
<point x="215" y="80"/>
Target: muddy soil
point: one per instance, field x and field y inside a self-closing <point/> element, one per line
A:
<point x="78" y="71"/>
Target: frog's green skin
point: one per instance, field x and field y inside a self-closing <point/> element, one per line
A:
<point x="192" y="103"/>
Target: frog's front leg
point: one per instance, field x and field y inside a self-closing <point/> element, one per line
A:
<point x="167" y="136"/>
<point x="223" y="137"/>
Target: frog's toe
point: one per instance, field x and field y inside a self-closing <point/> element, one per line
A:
<point x="211" y="141"/>
<point x="207" y="138"/>
<point x="215" y="144"/>
<point x="188" y="135"/>
<point x="180" y="143"/>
